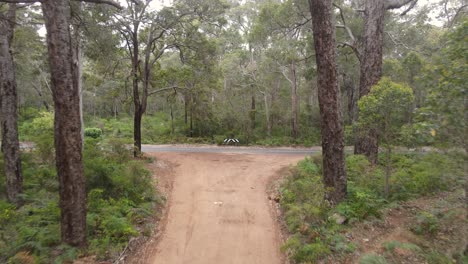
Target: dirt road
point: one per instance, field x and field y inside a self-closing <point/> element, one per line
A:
<point x="218" y="211"/>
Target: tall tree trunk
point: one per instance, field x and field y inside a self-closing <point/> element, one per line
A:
<point x="136" y="95"/>
<point x="137" y="117"/>
<point x="371" y="70"/>
<point x="9" y="108"/>
<point x="68" y="143"/>
<point x="352" y="96"/>
<point x="371" y="64"/>
<point x="294" y="103"/>
<point x="267" y="113"/>
<point x="191" y="116"/>
<point x="252" y="107"/>
<point x="78" y="56"/>
<point x="334" y="173"/>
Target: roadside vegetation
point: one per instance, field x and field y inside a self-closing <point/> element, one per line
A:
<point x="422" y="220"/>
<point x="408" y="207"/>
<point x="121" y="202"/>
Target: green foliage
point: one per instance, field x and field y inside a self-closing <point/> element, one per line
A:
<point x="92" y="132"/>
<point x="363" y="174"/>
<point x="373" y="259"/>
<point x="311" y="221"/>
<point x="386" y="109"/>
<point x="446" y="83"/>
<point x="390" y="246"/>
<point x="306" y="215"/>
<point x="425" y="174"/>
<point x="302" y="196"/>
<point x="40" y="130"/>
<point x="426" y="224"/>
<point x="361" y="203"/>
<point x="121" y="197"/>
<point x="435" y="257"/>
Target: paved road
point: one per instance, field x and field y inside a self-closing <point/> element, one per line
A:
<point x="230" y="149"/>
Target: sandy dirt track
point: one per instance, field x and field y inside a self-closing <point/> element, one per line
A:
<point x="218" y="210"/>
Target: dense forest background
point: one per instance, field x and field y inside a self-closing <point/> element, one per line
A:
<point x="235" y="69"/>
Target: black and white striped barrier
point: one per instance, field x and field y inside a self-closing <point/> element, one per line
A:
<point x="228" y="141"/>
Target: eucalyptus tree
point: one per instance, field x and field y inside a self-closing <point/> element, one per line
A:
<point x="334" y="172"/>
<point x="161" y="31"/>
<point x="282" y="26"/>
<point x="371" y="61"/>
<point x="370" y="53"/>
<point x="9" y="105"/>
<point x="68" y="140"/>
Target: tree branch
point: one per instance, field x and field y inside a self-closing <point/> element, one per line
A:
<point x="107" y="2"/>
<point x="413" y="4"/>
<point x="19" y="1"/>
<point x="165" y="89"/>
<point x="394" y="4"/>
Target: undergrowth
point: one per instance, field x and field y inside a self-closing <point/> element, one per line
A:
<point x="315" y="233"/>
<point x="121" y="200"/>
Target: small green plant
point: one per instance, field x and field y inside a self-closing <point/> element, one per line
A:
<point x="390" y="246"/>
<point x="93" y="132"/>
<point x="361" y="203"/>
<point x="372" y="259"/>
<point x="426" y="224"/>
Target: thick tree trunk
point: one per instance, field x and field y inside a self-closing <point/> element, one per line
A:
<point x="68" y="143"/>
<point x="334" y="172"/>
<point x="9" y="109"/>
<point x="294" y="103"/>
<point x="371" y="70"/>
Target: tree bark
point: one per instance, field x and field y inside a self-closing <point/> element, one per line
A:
<point x="78" y="57"/>
<point x="68" y="143"/>
<point x="294" y="103"/>
<point x="371" y="70"/>
<point x="9" y="108"/>
<point x="267" y="114"/>
<point x="253" y="109"/>
<point x="334" y="172"/>
<point x="136" y="94"/>
<point x="352" y="95"/>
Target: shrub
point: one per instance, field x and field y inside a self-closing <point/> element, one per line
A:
<point x="361" y="203"/>
<point x="364" y="174"/>
<point x="425" y="174"/>
<point x="426" y="223"/>
<point x="93" y="132"/>
<point x="372" y="259"/>
<point x="120" y="198"/>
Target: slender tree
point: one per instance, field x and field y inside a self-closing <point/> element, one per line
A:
<point x="334" y="173"/>
<point x="9" y="105"/>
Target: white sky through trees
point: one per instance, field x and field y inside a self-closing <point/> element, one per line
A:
<point x="159" y="4"/>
